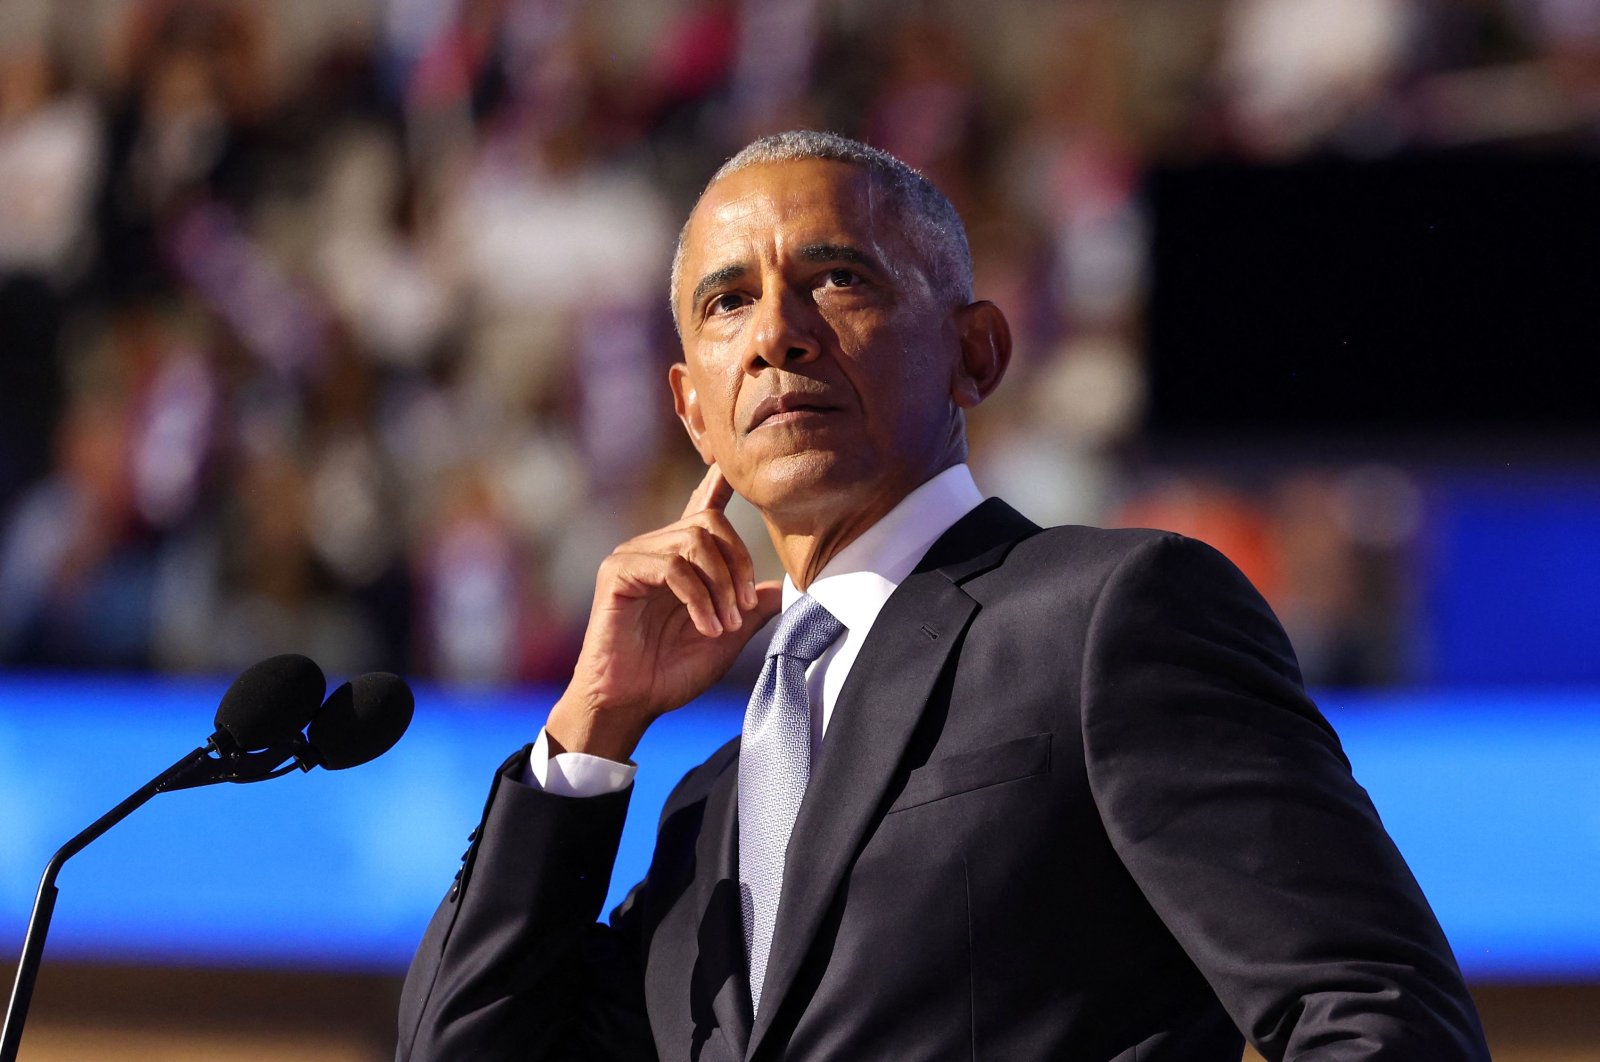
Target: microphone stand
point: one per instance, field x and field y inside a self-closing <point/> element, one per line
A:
<point x="198" y="768"/>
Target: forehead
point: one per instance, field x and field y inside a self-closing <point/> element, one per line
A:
<point x="772" y="207"/>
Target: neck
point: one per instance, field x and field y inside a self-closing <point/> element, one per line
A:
<point x="805" y="551"/>
<point x="807" y="542"/>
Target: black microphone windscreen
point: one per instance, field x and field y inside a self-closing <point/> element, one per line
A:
<point x="271" y="701"/>
<point x="361" y="720"/>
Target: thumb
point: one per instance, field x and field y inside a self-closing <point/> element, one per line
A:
<point x="769" y="602"/>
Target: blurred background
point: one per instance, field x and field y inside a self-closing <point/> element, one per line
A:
<point x="340" y="327"/>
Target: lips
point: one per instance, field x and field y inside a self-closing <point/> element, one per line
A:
<point x="793" y="402"/>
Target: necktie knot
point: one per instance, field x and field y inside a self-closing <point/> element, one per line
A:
<point x="805" y="630"/>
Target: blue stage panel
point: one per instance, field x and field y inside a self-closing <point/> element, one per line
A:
<point x="1509" y="578"/>
<point x="1493" y="799"/>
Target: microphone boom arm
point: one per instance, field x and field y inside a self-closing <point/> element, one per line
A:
<point x="362" y="719"/>
<point x="197" y="768"/>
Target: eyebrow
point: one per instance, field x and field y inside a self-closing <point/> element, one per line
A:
<point x="837" y="252"/>
<point x="812" y="252"/>
<point x="716" y="277"/>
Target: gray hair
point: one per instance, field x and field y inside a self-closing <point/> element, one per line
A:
<point x="927" y="218"/>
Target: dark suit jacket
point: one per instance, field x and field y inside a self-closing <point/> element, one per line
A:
<point x="1073" y="804"/>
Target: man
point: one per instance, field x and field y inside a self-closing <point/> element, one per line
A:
<point x="1002" y="792"/>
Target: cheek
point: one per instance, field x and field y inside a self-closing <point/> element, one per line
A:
<point x="715" y="385"/>
<point x="719" y="404"/>
<point x="727" y="387"/>
<point x="905" y="369"/>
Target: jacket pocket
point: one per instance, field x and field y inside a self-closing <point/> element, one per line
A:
<point x="963" y="772"/>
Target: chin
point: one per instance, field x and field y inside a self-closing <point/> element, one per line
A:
<point x="811" y="480"/>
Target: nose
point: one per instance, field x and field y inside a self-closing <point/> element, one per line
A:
<point x="785" y="331"/>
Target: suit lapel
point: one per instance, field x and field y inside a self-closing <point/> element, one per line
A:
<point x="719" y="972"/>
<point x="873" y="721"/>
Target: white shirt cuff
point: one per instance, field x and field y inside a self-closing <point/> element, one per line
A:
<point x="575" y="774"/>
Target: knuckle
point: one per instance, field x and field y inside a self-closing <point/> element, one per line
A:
<point x="717" y="526"/>
<point x="713" y="525"/>
<point x="632" y="546"/>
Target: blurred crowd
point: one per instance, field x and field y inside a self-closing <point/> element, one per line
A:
<point x="341" y="327"/>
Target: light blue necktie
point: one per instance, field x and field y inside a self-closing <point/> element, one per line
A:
<point x="774" y="766"/>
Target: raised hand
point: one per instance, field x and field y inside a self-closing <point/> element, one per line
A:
<point x="672" y="608"/>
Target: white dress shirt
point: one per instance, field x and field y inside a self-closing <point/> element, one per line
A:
<point x="853" y="587"/>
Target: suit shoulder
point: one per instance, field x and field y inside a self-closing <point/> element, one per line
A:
<point x="1081" y="563"/>
<point x="1085" y="550"/>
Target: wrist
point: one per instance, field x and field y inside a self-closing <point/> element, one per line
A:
<point x="592" y="729"/>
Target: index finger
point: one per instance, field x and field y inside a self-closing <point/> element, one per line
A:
<point x="713" y="493"/>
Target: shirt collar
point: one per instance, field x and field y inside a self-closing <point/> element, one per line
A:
<point x="855" y="584"/>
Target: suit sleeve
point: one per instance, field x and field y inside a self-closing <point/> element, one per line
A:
<point x="1229" y="799"/>
<point x="513" y="964"/>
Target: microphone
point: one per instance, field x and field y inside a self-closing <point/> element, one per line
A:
<point x="361" y="720"/>
<point x="259" y="725"/>
<point x="270" y="701"/>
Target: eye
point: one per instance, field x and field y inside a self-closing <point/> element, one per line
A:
<point x="727" y="302"/>
<point x="842" y="278"/>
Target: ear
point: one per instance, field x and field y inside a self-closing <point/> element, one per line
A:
<point x="686" y="401"/>
<point x="985" y="339"/>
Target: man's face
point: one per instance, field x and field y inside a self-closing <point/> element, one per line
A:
<point x="818" y="362"/>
